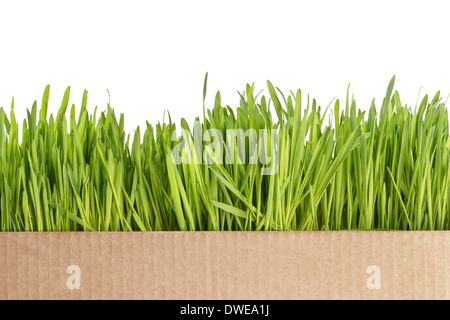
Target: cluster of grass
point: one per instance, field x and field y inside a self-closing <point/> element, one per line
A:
<point x="386" y="170"/>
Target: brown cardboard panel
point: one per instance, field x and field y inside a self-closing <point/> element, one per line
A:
<point x="226" y="265"/>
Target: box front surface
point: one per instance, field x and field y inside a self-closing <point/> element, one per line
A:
<point x="225" y="265"/>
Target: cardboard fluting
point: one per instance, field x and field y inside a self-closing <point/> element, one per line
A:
<point x="225" y="265"/>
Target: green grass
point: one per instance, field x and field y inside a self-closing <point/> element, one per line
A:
<point x="338" y="168"/>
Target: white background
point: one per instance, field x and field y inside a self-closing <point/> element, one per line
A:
<point x="152" y="55"/>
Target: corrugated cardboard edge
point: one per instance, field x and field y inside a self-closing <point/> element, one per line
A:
<point x="227" y="265"/>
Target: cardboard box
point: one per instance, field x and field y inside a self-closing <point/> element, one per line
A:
<point x="226" y="265"/>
